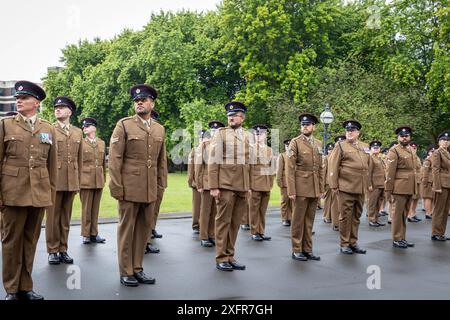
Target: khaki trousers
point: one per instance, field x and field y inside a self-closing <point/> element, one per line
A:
<point x="402" y="204"/>
<point x="231" y="205"/>
<point x="440" y="212"/>
<point x="286" y="205"/>
<point x="57" y="223"/>
<point x="350" y="209"/>
<point x="132" y="233"/>
<point x="20" y="231"/>
<point x="156" y="212"/>
<point x="208" y="212"/>
<point x="302" y="223"/>
<point x="376" y="197"/>
<point x="90" y="207"/>
<point x="246" y="215"/>
<point x="258" y="208"/>
<point x="196" y="203"/>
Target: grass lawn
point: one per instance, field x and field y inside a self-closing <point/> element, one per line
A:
<point x="177" y="198"/>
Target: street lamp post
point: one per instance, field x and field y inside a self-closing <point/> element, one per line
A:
<point x="326" y="117"/>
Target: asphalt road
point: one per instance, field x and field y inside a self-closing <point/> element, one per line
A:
<point x="185" y="270"/>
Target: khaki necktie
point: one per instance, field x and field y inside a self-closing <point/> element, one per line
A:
<point x="66" y="129"/>
<point x="30" y="123"/>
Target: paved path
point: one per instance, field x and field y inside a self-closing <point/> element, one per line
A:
<point x="185" y="270"/>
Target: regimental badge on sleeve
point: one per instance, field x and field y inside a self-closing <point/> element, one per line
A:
<point x="45" y="138"/>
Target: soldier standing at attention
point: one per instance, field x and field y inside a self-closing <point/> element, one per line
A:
<point x="427" y="184"/>
<point x="150" y="248"/>
<point x="208" y="205"/>
<point x="28" y="167"/>
<point x="68" y="138"/>
<point x="93" y="176"/>
<point x="138" y="168"/>
<point x="229" y="183"/>
<point x="261" y="177"/>
<point x="348" y="174"/>
<point x="440" y="162"/>
<point x="334" y="198"/>
<point x="327" y="196"/>
<point x="401" y="184"/>
<point x="305" y="186"/>
<point x="416" y="197"/>
<point x="196" y="196"/>
<point x="286" y="203"/>
<point x="154" y="233"/>
<point x="389" y="199"/>
<point x="377" y="176"/>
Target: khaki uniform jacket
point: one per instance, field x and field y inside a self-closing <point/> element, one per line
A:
<point x="401" y="171"/>
<point x="201" y="165"/>
<point x="418" y="167"/>
<point x="281" y="170"/>
<point x="137" y="160"/>
<point x="305" y="168"/>
<point x="229" y="166"/>
<point x="425" y="172"/>
<point x="69" y="158"/>
<point x="348" y="167"/>
<point x="28" y="163"/>
<point x="93" y="169"/>
<point x="261" y="169"/>
<point x="377" y="172"/>
<point x="191" y="169"/>
<point x="440" y="164"/>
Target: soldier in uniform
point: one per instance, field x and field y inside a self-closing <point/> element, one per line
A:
<point x="261" y="177"/>
<point x="427" y="184"/>
<point x="383" y="157"/>
<point x="69" y="148"/>
<point x="92" y="181"/>
<point x="416" y="197"/>
<point x="305" y="183"/>
<point x="348" y="175"/>
<point x="440" y="162"/>
<point x="327" y="195"/>
<point x="196" y="196"/>
<point x="229" y="183"/>
<point x="208" y="205"/>
<point x="401" y="184"/>
<point x="390" y="200"/>
<point x="377" y="176"/>
<point x="28" y="167"/>
<point x="150" y="248"/>
<point x="286" y="203"/>
<point x="138" y="168"/>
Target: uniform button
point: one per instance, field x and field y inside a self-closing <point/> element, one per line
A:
<point x="31" y="168"/>
<point x="12" y="138"/>
<point x="31" y="146"/>
<point x="31" y="157"/>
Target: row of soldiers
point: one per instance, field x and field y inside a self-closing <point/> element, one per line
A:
<point x="351" y="174"/>
<point x="44" y="165"/>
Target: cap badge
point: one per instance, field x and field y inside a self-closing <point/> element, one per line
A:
<point x="138" y="91"/>
<point x="20" y="88"/>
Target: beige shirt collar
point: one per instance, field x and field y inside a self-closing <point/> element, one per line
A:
<point x="64" y="125"/>
<point x="33" y="118"/>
